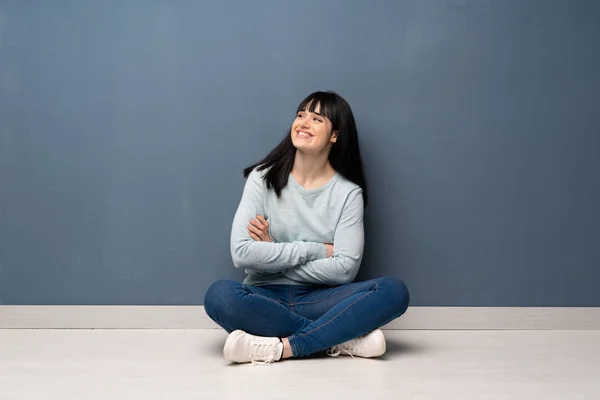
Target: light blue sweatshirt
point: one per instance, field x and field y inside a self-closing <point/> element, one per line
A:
<point x="300" y="222"/>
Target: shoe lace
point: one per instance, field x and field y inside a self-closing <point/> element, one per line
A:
<point x="263" y="353"/>
<point x="337" y="350"/>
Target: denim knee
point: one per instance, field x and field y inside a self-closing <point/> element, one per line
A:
<point x="397" y="294"/>
<point x="218" y="295"/>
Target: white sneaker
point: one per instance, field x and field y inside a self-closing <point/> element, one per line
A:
<point x="367" y="346"/>
<point x="242" y="347"/>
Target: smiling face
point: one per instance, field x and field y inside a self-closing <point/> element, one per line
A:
<point x="311" y="131"/>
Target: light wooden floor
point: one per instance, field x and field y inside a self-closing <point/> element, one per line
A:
<point x="187" y="364"/>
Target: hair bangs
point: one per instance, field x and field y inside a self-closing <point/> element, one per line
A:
<point x="325" y="102"/>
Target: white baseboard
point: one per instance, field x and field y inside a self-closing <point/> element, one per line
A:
<point x="194" y="317"/>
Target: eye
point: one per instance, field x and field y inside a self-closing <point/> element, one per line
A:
<point x="318" y="119"/>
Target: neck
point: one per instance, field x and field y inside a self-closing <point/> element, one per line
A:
<point x="309" y="169"/>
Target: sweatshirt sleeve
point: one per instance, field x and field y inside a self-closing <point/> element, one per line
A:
<point x="264" y="256"/>
<point x="348" y="248"/>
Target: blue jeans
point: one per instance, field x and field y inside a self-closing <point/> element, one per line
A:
<point x="312" y="318"/>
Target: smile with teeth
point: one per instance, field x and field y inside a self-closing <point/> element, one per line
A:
<point x="304" y="134"/>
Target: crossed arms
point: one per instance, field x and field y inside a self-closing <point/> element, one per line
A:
<point x="300" y="261"/>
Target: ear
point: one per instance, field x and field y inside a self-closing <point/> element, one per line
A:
<point x="334" y="136"/>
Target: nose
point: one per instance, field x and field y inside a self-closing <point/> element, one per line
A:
<point x="304" y="123"/>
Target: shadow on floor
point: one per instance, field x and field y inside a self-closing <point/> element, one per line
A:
<point x="396" y="347"/>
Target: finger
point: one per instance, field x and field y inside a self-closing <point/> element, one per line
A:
<point x="253" y="236"/>
<point x="257" y="224"/>
<point x="254" y="230"/>
<point x="262" y="220"/>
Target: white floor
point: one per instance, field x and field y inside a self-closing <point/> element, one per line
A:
<point x="187" y="364"/>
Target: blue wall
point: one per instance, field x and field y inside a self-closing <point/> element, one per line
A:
<point x="124" y="127"/>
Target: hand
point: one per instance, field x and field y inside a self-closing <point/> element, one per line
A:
<point x="329" y="248"/>
<point x="259" y="229"/>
